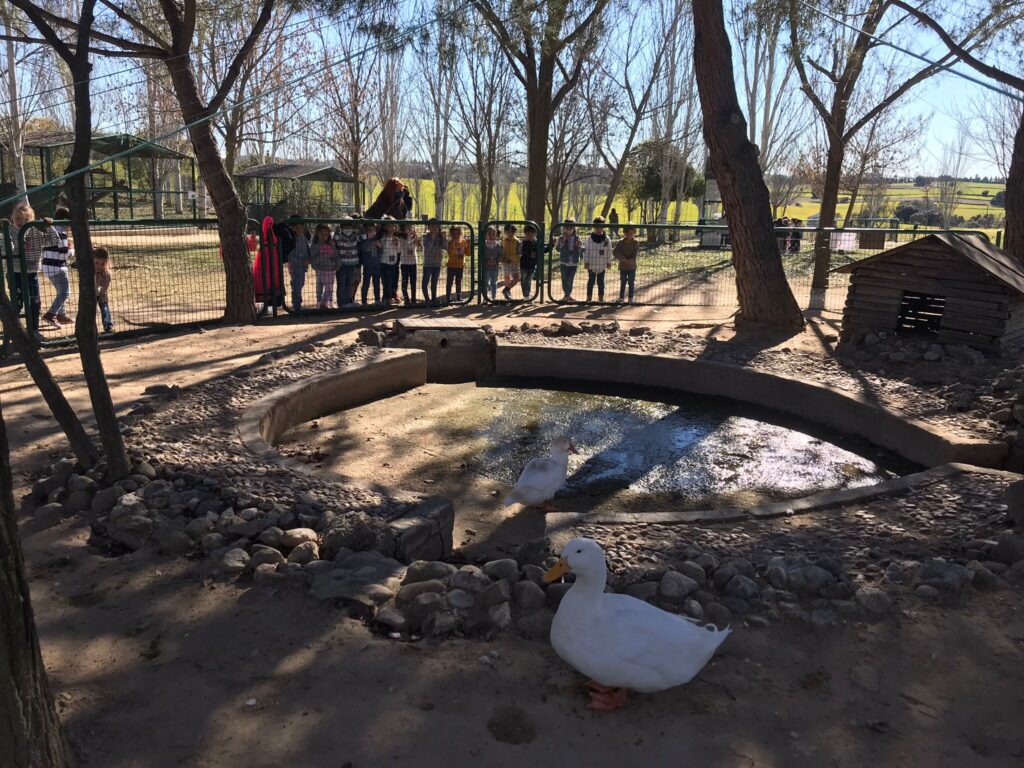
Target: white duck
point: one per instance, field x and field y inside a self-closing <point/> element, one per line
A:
<point x="618" y="641"/>
<point x="541" y="478"/>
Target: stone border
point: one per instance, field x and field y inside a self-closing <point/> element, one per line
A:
<point x="854" y="414"/>
<point x="560" y="522"/>
<point x="263" y="423"/>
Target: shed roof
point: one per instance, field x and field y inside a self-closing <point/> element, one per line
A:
<point x="295" y="171"/>
<point x="102" y="143"/>
<point x="975" y="248"/>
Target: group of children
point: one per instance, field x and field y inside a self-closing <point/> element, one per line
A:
<point x="597" y="253"/>
<point x="48" y="249"/>
<point x="382" y="257"/>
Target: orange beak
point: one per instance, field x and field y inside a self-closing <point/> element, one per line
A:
<point x="557" y="571"/>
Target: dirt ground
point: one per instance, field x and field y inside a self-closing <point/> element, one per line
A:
<point x="155" y="665"/>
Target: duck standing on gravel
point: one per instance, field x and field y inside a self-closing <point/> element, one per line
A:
<point x="541" y="478"/>
<point x="618" y="641"/>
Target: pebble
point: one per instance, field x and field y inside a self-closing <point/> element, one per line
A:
<point x="234" y="560"/>
<point x="426" y="570"/>
<point x="873" y="600"/>
<point x="304" y="553"/>
<point x="506" y="569"/>
<point x="500" y="615"/>
<point x="461" y="600"/>
<point x="391" y="619"/>
<point x="525" y="595"/>
<point x="674" y="586"/>
<point x="297" y="536"/>
<point x="927" y="592"/>
<point x="496" y="593"/>
<point x="410" y="592"/>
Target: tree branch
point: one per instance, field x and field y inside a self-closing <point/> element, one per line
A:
<point x="139" y="49"/>
<point x="243" y="53"/>
<point x="135" y="23"/>
<point x="958" y="51"/>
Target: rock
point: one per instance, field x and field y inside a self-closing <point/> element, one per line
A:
<point x="900" y="572"/>
<point x="266" y="556"/>
<point x="171" y="541"/>
<point x="1014" y="500"/>
<point x="377" y="593"/>
<point x="777" y="577"/>
<point x="105" y="499"/>
<point x="410" y="592"/>
<point x="533" y="552"/>
<point x="271" y="536"/>
<point x="1009" y="549"/>
<point x="82" y="483"/>
<point x="555" y="594"/>
<point x="873" y="600"/>
<point x="358" y="531"/>
<point x="131" y="530"/>
<point x="370" y="338"/>
<point x="984" y="578"/>
<point x="304" y="553"/>
<point x="296" y="536"/>
<point x="742" y="587"/>
<point x="470" y="579"/>
<point x="948" y="577"/>
<point x="495" y="593"/>
<point x="693" y="609"/>
<point x="736" y="605"/>
<point x="674" y="586"/>
<point x="441" y="623"/>
<point x="927" y="592"/>
<point x="644" y="590"/>
<point x="506" y="569"/>
<point x="694" y="571"/>
<point x="460" y="600"/>
<point x="425" y="570"/>
<point x="639" y="330"/>
<point x="1002" y="415"/>
<point x="500" y="615"/>
<point x="422" y="606"/>
<point x="567" y="328"/>
<point x="266" y="575"/>
<point x="235" y="560"/>
<point x="810" y="580"/>
<point x="723" y="575"/>
<point x="535" y="625"/>
<point x="390" y="619"/>
<point x="78" y="501"/>
<point x="865" y="677"/>
<point x="717" y="614"/>
<point x="526" y="595"/>
<point x="1018" y="413"/>
<point x="425" y="532"/>
<point x="838" y="591"/>
<point x="209" y="542"/>
<point x="145" y="469"/>
<point x="534" y="573"/>
<point x="822" y="618"/>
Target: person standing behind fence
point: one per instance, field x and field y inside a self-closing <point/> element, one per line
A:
<point x="346" y="241"/>
<point x="34" y="242"/>
<point x="434" y="247"/>
<point x="458" y="249"/>
<point x="391" y="253"/>
<point x="369" y="258"/>
<point x="410" y="248"/>
<point x="510" y="259"/>
<point x="626" y="251"/>
<point x="569" y="247"/>
<point x="613" y="221"/>
<point x="324" y="257"/>
<point x="102" y="276"/>
<point x="597" y="257"/>
<point x="492" y="262"/>
<point x="295" y="251"/>
<point x="795" y="236"/>
<point x="55" y="267"/>
<point x="529" y="255"/>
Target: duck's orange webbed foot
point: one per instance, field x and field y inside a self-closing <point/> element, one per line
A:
<point x="605" y="699"/>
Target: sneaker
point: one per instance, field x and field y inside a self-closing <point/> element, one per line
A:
<point x="39" y="338"/>
<point x="507" y="294"/>
<point x="62" y="318"/>
<point x="108" y="329"/>
<point x="49" y="319"/>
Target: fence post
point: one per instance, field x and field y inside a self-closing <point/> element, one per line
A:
<point x="999" y="238"/>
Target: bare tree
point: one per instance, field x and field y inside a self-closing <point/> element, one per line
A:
<point x="483" y="105"/>
<point x="394" y="127"/>
<point x="764" y="294"/>
<point x="570" y="139"/>
<point x="991" y="121"/>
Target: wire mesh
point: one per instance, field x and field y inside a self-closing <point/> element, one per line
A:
<point x="511" y="272"/>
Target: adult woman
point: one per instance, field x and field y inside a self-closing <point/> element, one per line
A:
<point x="394" y="201"/>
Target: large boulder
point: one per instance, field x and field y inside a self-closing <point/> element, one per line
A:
<point x="426" y="532"/>
<point x="357" y="531"/>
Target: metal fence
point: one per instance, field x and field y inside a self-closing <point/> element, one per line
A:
<point x="170" y="273"/>
<point x="518" y="275"/>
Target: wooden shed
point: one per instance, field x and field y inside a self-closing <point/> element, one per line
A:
<point x="958" y="289"/>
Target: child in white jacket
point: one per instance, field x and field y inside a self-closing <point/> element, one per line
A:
<point x="597" y="258"/>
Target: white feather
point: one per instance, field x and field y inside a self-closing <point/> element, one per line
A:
<point x="541" y="478"/>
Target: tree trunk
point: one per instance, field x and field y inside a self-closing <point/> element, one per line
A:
<point x="764" y="294"/>
<point x="118" y="466"/>
<point x="30" y="735"/>
<point x="240" y="304"/>
<point x="538" y="132"/>
<point x="827" y="215"/>
<point x="16" y="129"/>
<point x="1014" y="242"/>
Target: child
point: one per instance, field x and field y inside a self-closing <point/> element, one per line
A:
<point x="626" y="251"/>
<point x="369" y="258"/>
<point x="529" y="254"/>
<point x="299" y="259"/>
<point x="391" y="252"/>
<point x="493" y="253"/>
<point x="346" y="242"/>
<point x="324" y="258"/>
<point x="410" y="246"/>
<point x="458" y="249"/>
<point x="35" y="240"/>
<point x="55" y="267"/>
<point x="510" y="258"/>
<point x="434" y="246"/>
<point x="569" y="247"/>
<point x="597" y="257"/>
<point x="101" y="266"/>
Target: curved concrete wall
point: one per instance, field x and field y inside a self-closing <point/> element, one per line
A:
<point x="388" y="373"/>
<point x="917" y="441"/>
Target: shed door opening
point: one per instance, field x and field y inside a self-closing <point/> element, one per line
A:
<point x="921" y="313"/>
